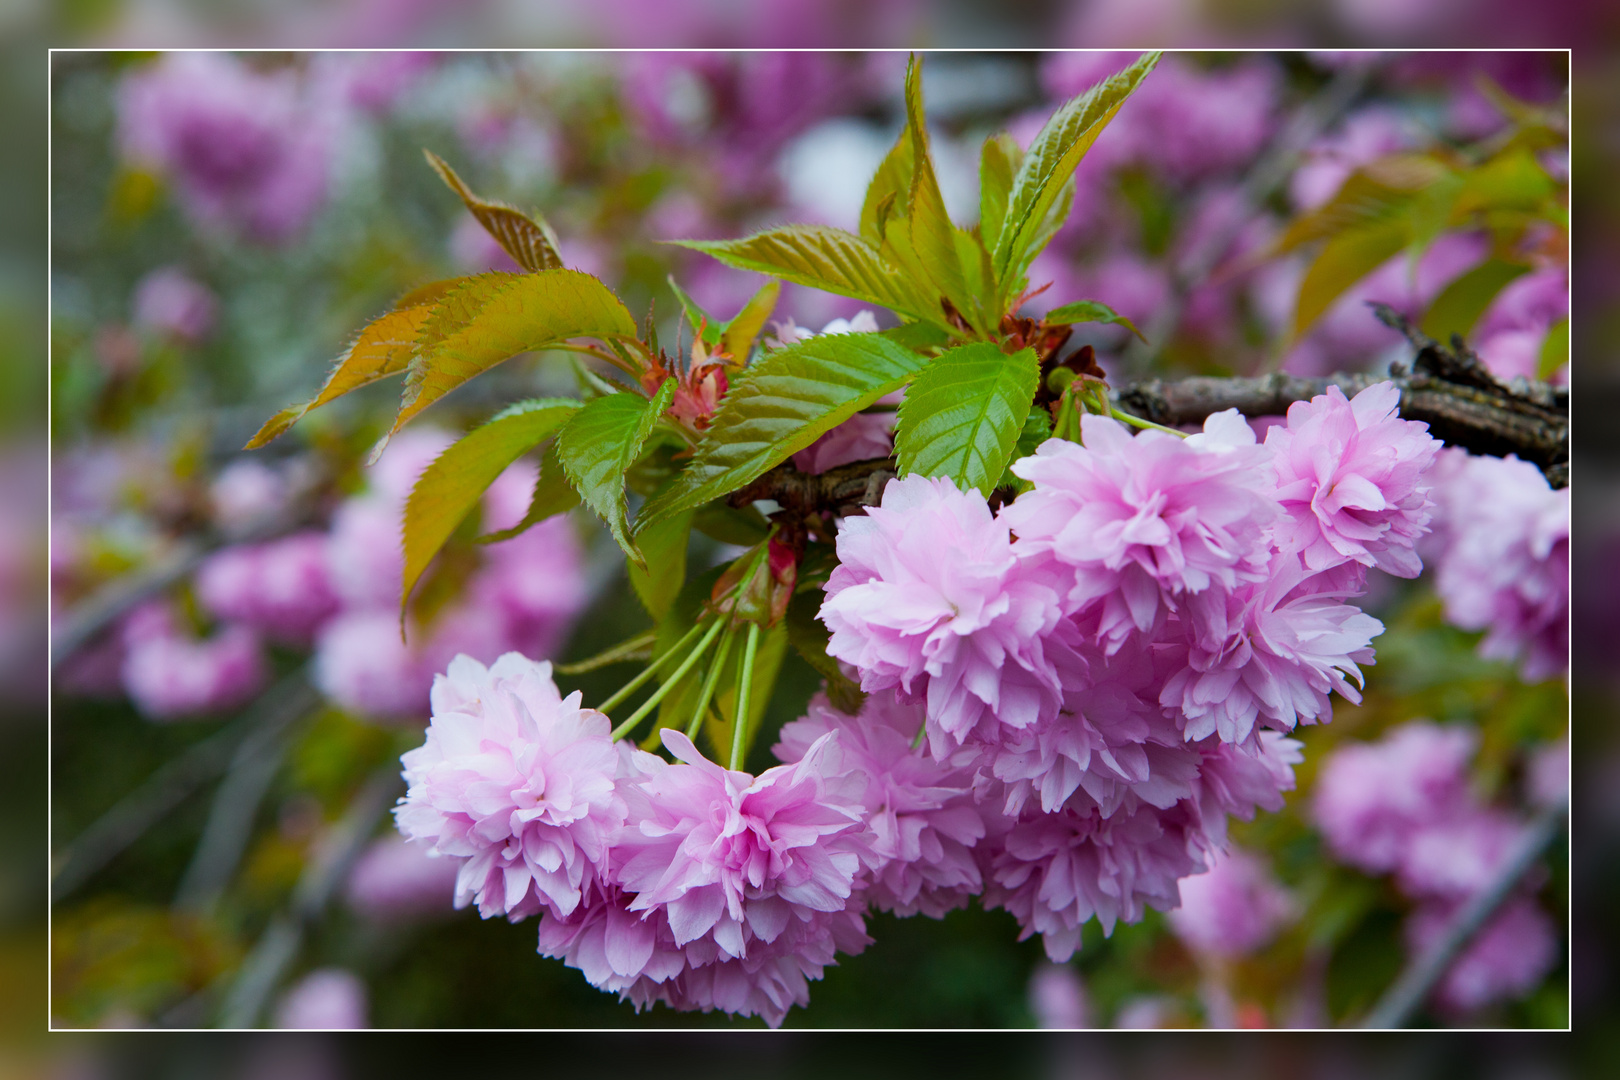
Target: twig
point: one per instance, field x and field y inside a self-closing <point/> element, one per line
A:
<point x="230" y="819"/>
<point x="1414" y="984"/>
<point x="113" y="832"/>
<point x="1448" y="388"/>
<point x="281" y="941"/>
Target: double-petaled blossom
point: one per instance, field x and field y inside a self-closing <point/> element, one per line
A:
<point x="1268" y="652"/>
<point x="735" y="859"/>
<point x="1054" y="872"/>
<point x="170" y="674"/>
<point x="1350" y="478"/>
<point x="921" y="817"/>
<point x="929" y="597"/>
<point x="1134" y="524"/>
<point x="517" y="781"/>
<point x="1504" y="566"/>
<point x="1507" y="959"/>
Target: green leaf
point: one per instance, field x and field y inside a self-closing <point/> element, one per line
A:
<point x="809" y="639"/>
<point x="664" y="547"/>
<point x="472" y="330"/>
<point x="740" y="526"/>
<point x="598" y="446"/>
<point x="1554" y="349"/>
<point x="1051" y="161"/>
<point x="382" y="348"/>
<point x="737" y="337"/>
<point x="1375" y="194"/>
<point x="700" y="320"/>
<point x="1464" y="300"/>
<point x="780" y="405"/>
<point x="1090" y="311"/>
<point x="998" y="162"/>
<point x="822" y="258"/>
<point x="552" y="496"/>
<point x="1037" y="429"/>
<point x="889" y="188"/>
<point x="963" y="413"/>
<point x="933" y="237"/>
<point x="448" y="489"/>
<point x="1343" y="261"/>
<point x="528" y="239"/>
<point x="1511" y="181"/>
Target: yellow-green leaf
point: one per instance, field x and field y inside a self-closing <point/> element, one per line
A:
<point x="381" y="349"/>
<point x="737" y="338"/>
<point x="998" y="162"/>
<point x="822" y="258"/>
<point x="1344" y="260"/>
<point x="1464" y="300"/>
<point x="890" y="186"/>
<point x="933" y="237"/>
<point x="1090" y="311"/>
<point x="527" y="238"/>
<point x="521" y="312"/>
<point x="1051" y="161"/>
<point x="448" y="489"/>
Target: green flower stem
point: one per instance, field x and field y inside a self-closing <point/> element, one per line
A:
<point x="658" y="695"/>
<point x="652" y="669"/>
<point x="710" y="680"/>
<point x="1137" y="421"/>
<point x="917" y="739"/>
<point x="739" y="735"/>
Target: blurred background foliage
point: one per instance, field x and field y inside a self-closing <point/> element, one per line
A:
<point x="1185" y="235"/>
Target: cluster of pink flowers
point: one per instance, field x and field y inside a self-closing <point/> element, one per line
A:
<point x="1116" y="657"/>
<point x="246" y="149"/>
<point x="682" y="882"/>
<point x="1501" y="552"/>
<point x="1066" y="702"/>
<point x="1404" y="806"/>
<point x="335" y="592"/>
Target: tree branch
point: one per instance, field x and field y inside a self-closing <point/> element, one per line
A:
<point x="1446" y="387"/>
<point x="1414" y="984"/>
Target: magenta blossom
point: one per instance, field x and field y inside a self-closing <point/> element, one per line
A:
<point x="1371" y="799"/>
<point x="169" y="675"/>
<point x="1138" y="521"/>
<point x="516" y="780"/>
<point x="921" y="814"/>
<point x="396" y="879"/>
<point x="1056" y="871"/>
<point x="171" y="302"/>
<point x="1505" y="564"/>
<point x="280" y="587"/>
<point x="930" y="597"/>
<point x="736" y="859"/>
<point x="1233" y="908"/>
<point x="1270" y="652"/>
<point x="1350" y="477"/>
<point x="1506" y="960"/>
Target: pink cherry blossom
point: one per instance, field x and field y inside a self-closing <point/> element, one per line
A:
<point x="921" y="814"/>
<point x="1233" y="908"/>
<point x="280" y="587"/>
<point x="1136" y="522"/>
<point x="516" y="781"/>
<point x="1350" y="478"/>
<point x="930" y="597"/>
